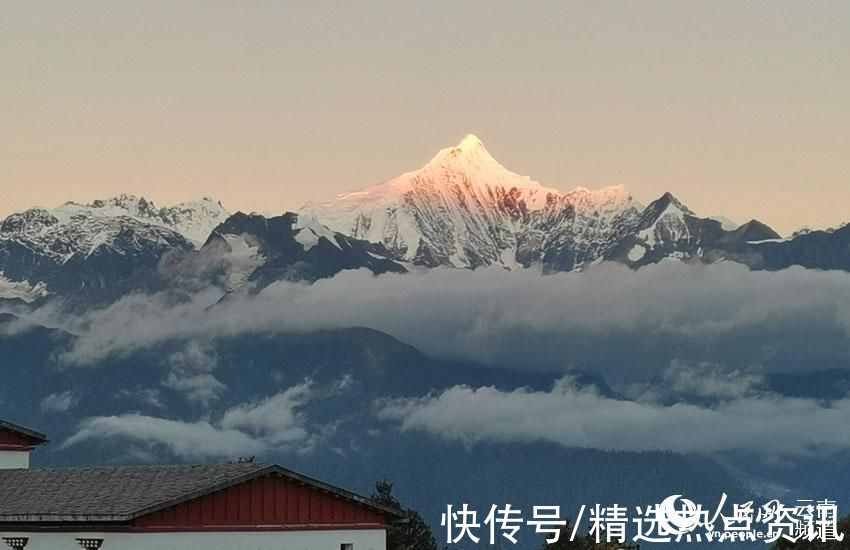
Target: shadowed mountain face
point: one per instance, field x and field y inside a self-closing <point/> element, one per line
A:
<point x="829" y="249"/>
<point x="285" y="250"/>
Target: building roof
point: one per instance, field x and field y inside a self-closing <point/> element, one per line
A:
<point x="31" y="437"/>
<point x="96" y="495"/>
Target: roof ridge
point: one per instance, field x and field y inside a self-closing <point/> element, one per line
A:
<point x="206" y="479"/>
<point x="153" y="466"/>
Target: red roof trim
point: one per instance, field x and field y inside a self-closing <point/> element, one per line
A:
<point x="22" y="448"/>
<point x="18" y="437"/>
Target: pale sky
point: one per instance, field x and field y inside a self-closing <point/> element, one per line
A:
<point x="739" y="108"/>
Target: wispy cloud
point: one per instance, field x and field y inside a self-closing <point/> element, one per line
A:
<point x="274" y="423"/>
<point x="709" y="381"/>
<point x="185" y="439"/>
<point x="203" y="388"/>
<point x="274" y="420"/>
<point x="759" y="422"/>
<point x="191" y="373"/>
<point x="60" y="402"/>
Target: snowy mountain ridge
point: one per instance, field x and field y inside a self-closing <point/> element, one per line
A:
<point x="85" y="247"/>
<point x="75" y="228"/>
<point x="193" y="220"/>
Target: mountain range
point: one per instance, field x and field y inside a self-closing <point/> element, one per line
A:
<point x="462" y="209"/>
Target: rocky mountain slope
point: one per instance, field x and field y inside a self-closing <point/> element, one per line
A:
<point x="81" y="250"/>
<point x="252" y="250"/>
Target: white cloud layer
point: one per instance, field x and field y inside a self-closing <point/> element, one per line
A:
<point x="275" y="423"/>
<point x="185" y="439"/>
<point x="763" y="423"/>
<point x="607" y="318"/>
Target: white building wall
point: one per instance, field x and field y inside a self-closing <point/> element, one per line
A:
<point x="14" y="459"/>
<point x="362" y="539"/>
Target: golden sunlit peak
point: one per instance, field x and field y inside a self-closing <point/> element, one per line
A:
<point x="470" y="142"/>
<point x="470" y="150"/>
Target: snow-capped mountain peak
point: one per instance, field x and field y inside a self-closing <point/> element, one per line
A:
<point x="464" y="209"/>
<point x="471" y="142"/>
<point x="470" y="152"/>
<point x="470" y="165"/>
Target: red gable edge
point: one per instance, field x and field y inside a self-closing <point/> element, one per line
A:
<point x="14" y="437"/>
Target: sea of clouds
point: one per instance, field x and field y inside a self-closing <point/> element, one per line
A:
<point x="686" y="348"/>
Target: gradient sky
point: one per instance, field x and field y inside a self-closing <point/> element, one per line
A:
<point x="739" y="108"/>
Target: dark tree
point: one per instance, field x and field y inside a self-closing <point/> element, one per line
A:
<point x="413" y="535"/>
